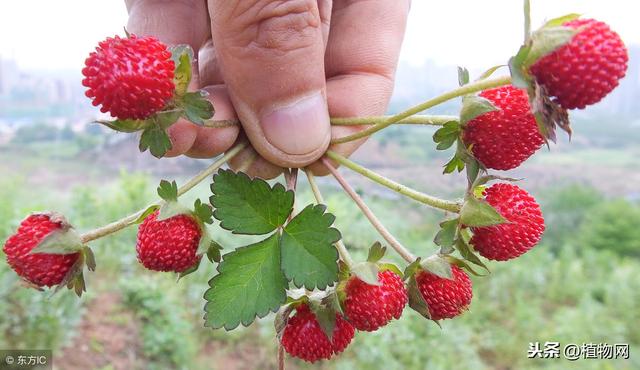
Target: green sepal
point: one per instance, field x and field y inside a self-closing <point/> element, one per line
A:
<point x="478" y="213"/>
<point x="326" y="317"/>
<point x="126" y="125"/>
<point x="376" y="252"/>
<point x="190" y="270"/>
<point x="367" y="272"/>
<point x="213" y="253"/>
<point x="60" y="241"/>
<point x="546" y="40"/>
<point x="203" y="212"/>
<point x="462" y="264"/>
<point x="168" y="191"/>
<point x="447" y="135"/>
<point x="146" y="213"/>
<point x="463" y="76"/>
<point x="416" y="300"/>
<point x="474" y="106"/>
<point x="156" y="139"/>
<point x="465" y="251"/>
<point x="196" y="107"/>
<point x="438" y="266"/>
<point x="486" y="74"/>
<point x="559" y="21"/>
<point x="387" y="266"/>
<point x="182" y="56"/>
<point x="445" y="237"/>
<point x="412" y="268"/>
<point x="172" y="209"/>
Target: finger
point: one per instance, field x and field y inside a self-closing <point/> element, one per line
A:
<point x="173" y="22"/>
<point x="210" y="142"/>
<point x="271" y="54"/>
<point x="361" y="62"/>
<point x="250" y="162"/>
<point x="210" y="73"/>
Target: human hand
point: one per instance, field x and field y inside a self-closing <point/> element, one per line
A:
<point x="281" y="67"/>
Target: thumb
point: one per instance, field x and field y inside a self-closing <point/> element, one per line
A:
<point x="271" y="55"/>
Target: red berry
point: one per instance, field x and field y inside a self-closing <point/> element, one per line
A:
<point x="39" y="268"/>
<point x="132" y="78"/>
<point x="586" y="69"/>
<point x="303" y="337"/>
<point x="445" y="298"/>
<point x="504" y="138"/>
<point x="522" y="231"/>
<point x="370" y="307"/>
<point x="168" y="245"/>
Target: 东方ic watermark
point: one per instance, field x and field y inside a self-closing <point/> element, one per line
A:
<point x="26" y="360"/>
<point x="573" y="351"/>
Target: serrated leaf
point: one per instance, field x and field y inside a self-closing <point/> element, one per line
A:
<point x="168" y="190"/>
<point x="156" y="140"/>
<point x="438" y="266"/>
<point x="249" y="206"/>
<point x="126" y="125"/>
<point x="250" y="284"/>
<point x="196" y="107"/>
<point x="449" y="130"/>
<point x="309" y="257"/>
<point x="146" y="213"/>
<point x="213" y="253"/>
<point x="447" y="233"/>
<point x="546" y="40"/>
<point x="479" y="213"/>
<point x="203" y="212"/>
<point x="559" y="21"/>
<point x="467" y="254"/>
<point x="59" y="241"/>
<point x="376" y="252"/>
<point x="416" y="300"/>
<point x="463" y="76"/>
<point x="454" y="164"/>
<point x="167" y="118"/>
<point x="446" y="143"/>
<point x="474" y="106"/>
<point x="367" y="272"/>
<point x="182" y="55"/>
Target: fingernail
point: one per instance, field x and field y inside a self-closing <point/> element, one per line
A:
<point x="300" y="127"/>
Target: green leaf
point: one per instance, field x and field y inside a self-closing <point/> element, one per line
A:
<point x="454" y="164"/>
<point x="367" y="272"/>
<point x="189" y="271"/>
<point x="479" y="213"/>
<point x="156" y="140"/>
<point x="168" y="190"/>
<point x="544" y="41"/>
<point x="376" y="252"/>
<point x="167" y="118"/>
<point x="559" y="21"/>
<point x="197" y="108"/>
<point x="446" y="143"/>
<point x="309" y="257"/>
<point x="59" y="241"/>
<point x="126" y="125"/>
<point x="249" y="206"/>
<point x="447" y="233"/>
<point x="250" y="284"/>
<point x="438" y="266"/>
<point x="463" y="76"/>
<point x="203" y="212"/>
<point x="213" y="253"/>
<point x="146" y="213"/>
<point x="474" y="106"/>
<point x="449" y="131"/>
<point x="182" y="55"/>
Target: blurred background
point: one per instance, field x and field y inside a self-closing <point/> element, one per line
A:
<point x="580" y="285"/>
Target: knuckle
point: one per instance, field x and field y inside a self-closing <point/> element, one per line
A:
<point x="277" y="26"/>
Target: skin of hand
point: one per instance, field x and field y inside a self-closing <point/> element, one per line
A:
<point x="283" y="67"/>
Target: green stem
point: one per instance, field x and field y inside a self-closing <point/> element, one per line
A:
<point x="429" y="200"/>
<point x="375" y="222"/>
<point x="132" y="218"/>
<point x="342" y="249"/>
<point x="429" y="120"/>
<point x="460" y="91"/>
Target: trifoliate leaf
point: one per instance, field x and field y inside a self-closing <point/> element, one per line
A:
<point x="203" y="212"/>
<point x="60" y="241"/>
<point x="182" y="55"/>
<point x="250" y="284"/>
<point x="474" y="106"/>
<point x="438" y="266"/>
<point x="126" y="125"/>
<point x="463" y="76"/>
<point x="156" y="140"/>
<point x="309" y="257"/>
<point x="168" y="190"/>
<point x="367" y="272"/>
<point x="196" y="107"/>
<point x="447" y="233"/>
<point x="376" y="252"/>
<point x="476" y="212"/>
<point x="249" y="206"/>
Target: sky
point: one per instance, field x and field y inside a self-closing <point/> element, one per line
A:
<point x="51" y="35"/>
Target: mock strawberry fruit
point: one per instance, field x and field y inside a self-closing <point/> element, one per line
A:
<point x="521" y="232"/>
<point x="586" y="69"/>
<point x="169" y="245"/>
<point x="369" y="307"/>
<point x="504" y="138"/>
<point x="40" y="269"/>
<point x="303" y="337"/>
<point x="445" y="298"/>
<point x="132" y="78"/>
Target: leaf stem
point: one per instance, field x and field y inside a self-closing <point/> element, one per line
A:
<point x="460" y="91"/>
<point x="131" y="219"/>
<point x="342" y="249"/>
<point x="429" y="120"/>
<point x="429" y="200"/>
<point x="395" y="244"/>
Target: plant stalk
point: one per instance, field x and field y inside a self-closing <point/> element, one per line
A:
<point x="429" y="120"/>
